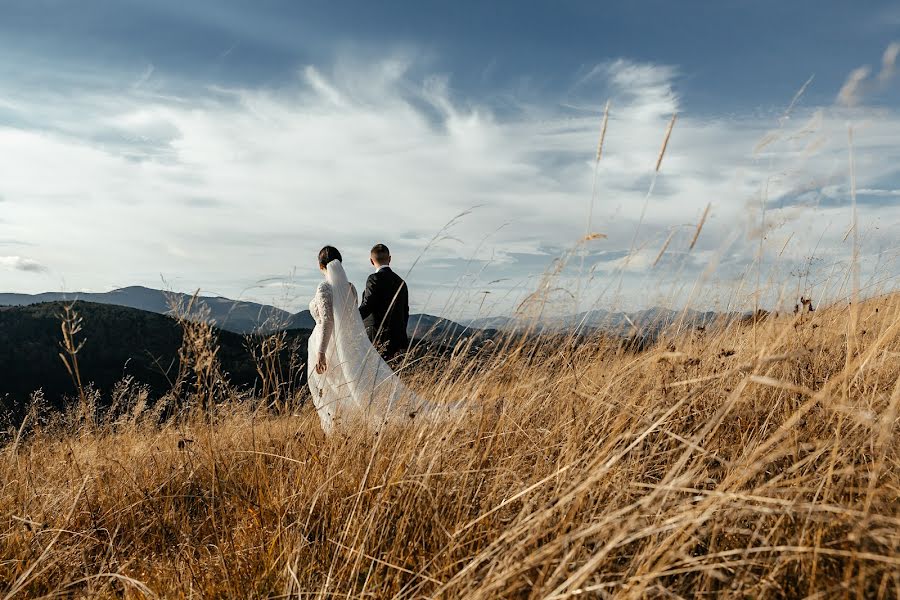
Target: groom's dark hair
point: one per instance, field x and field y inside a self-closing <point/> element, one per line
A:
<point x="328" y="254"/>
<point x="381" y="254"/>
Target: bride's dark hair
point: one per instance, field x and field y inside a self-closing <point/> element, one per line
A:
<point x="328" y="254"/>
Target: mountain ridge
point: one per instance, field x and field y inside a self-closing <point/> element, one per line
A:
<point x="235" y="316"/>
<point x="244" y="317"/>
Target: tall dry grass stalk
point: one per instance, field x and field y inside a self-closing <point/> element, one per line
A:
<point x="665" y="143"/>
<point x="71" y="325"/>
<point x="703" y="465"/>
<point x="659" y="160"/>
<point x="603" y="125"/>
<point x="699" y="227"/>
<point x="589" y="234"/>
<point x="665" y="246"/>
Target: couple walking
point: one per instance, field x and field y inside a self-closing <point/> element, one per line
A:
<point x="348" y="376"/>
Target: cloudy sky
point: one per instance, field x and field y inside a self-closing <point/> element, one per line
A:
<point x="219" y="144"/>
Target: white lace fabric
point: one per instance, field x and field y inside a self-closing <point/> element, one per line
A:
<point x="322" y="311"/>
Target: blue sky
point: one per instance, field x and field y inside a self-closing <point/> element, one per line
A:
<point x="218" y="144"/>
<point x="736" y="55"/>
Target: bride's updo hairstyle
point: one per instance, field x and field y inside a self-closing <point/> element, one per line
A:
<point x="328" y="254"/>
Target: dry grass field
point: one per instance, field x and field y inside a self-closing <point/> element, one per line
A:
<point x="757" y="460"/>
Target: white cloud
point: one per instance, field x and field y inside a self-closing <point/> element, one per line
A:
<point x="228" y="188"/>
<point x="19" y="263"/>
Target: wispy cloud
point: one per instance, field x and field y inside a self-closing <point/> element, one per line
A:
<point x="876" y="192"/>
<point x="144" y="77"/>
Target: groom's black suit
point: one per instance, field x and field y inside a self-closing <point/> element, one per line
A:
<point x="385" y="311"/>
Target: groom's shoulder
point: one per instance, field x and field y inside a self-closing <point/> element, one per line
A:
<point x="392" y="274"/>
<point x="385" y="275"/>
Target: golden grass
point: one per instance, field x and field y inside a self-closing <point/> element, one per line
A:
<point x="699" y="228"/>
<point x="757" y="460"/>
<point x="665" y="144"/>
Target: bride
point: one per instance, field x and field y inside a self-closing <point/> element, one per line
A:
<point x="349" y="381"/>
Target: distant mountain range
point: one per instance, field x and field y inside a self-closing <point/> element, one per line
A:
<point x="235" y="316"/>
<point x="238" y="316"/>
<point x="648" y="322"/>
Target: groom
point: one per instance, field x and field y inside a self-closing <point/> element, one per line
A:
<point x="385" y="305"/>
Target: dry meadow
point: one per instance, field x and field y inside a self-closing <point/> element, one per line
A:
<point x="756" y="459"/>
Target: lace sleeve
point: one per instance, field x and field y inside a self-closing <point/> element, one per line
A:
<point x="326" y="303"/>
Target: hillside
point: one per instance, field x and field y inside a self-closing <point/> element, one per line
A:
<point x="444" y="331"/>
<point x="230" y="315"/>
<point x="118" y="342"/>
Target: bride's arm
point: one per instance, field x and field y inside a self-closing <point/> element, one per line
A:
<point x="327" y="309"/>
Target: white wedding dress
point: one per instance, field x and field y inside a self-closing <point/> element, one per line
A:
<point x="358" y="387"/>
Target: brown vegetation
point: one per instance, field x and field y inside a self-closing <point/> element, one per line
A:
<point x="758" y="460"/>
